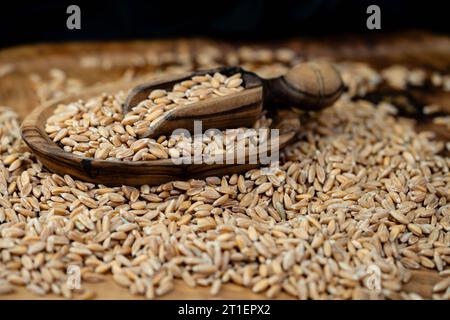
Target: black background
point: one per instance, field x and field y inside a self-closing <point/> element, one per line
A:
<point x="45" y="21"/>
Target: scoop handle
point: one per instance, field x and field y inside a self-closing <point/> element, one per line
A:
<point x="308" y="86"/>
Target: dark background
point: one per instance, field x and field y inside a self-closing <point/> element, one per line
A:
<point x="45" y="21"/>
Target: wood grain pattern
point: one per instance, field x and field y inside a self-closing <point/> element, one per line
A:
<point x="241" y="109"/>
<point x="166" y="82"/>
<point x="412" y="49"/>
<point x="307" y="86"/>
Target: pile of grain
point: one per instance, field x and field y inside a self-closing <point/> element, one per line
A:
<point x="359" y="191"/>
<point x="98" y="128"/>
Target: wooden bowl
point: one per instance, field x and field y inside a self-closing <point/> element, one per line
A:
<point x="111" y="172"/>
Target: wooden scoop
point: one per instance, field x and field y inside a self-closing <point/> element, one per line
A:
<point x="311" y="92"/>
<point x="307" y="86"/>
<point x="116" y="173"/>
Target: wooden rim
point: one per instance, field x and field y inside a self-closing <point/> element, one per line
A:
<point x="110" y="172"/>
